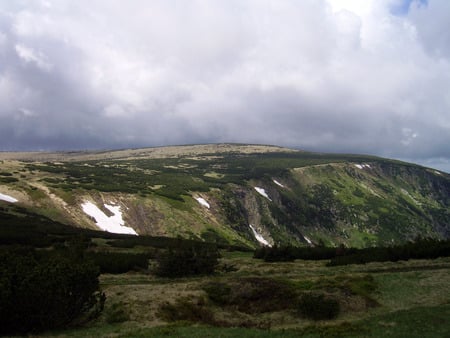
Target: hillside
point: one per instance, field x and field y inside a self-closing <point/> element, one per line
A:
<point x="246" y="195"/>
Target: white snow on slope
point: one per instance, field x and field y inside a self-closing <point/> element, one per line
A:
<point x="113" y="224"/>
<point x="8" y="198"/>
<point x="362" y="166"/>
<point x="307" y="239"/>
<point x="203" y="202"/>
<point x="262" y="192"/>
<point x="278" y="183"/>
<point x="259" y="237"/>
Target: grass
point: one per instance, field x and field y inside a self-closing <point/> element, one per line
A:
<point x="405" y="299"/>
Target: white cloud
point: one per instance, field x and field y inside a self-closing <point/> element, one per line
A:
<point x="31" y="56"/>
<point x="341" y="75"/>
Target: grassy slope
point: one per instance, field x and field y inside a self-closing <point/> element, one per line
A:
<point x="413" y="301"/>
<point x="326" y="198"/>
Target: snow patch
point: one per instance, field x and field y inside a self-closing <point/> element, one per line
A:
<point x="259" y="237"/>
<point x="203" y="202"/>
<point x="362" y="166"/>
<point x="8" y="198"/>
<point x="262" y="192"/>
<point x="278" y="183"/>
<point x="113" y="224"/>
<point x="307" y="239"/>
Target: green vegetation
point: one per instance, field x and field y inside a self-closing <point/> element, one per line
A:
<point x="119" y="262"/>
<point x="255" y="298"/>
<point x="253" y="295"/>
<point x="419" y="249"/>
<point x="326" y="215"/>
<point x="41" y="292"/>
<point x="187" y="260"/>
<point x="359" y="201"/>
<point x="318" y="307"/>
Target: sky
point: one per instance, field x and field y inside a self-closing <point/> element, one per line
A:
<point x="348" y="76"/>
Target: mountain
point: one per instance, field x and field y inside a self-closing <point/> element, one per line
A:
<point x="245" y="195"/>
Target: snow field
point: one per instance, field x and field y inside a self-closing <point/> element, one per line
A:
<point x="259" y="237"/>
<point x="262" y="192"/>
<point x="203" y="202"/>
<point x="114" y="224"/>
<point x="8" y="198"/>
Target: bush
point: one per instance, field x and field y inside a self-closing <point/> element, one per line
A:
<point x="116" y="314"/>
<point x="252" y="295"/>
<point x="318" y="307"/>
<point x="118" y="262"/>
<point x="186" y="309"/>
<point x="41" y="293"/>
<point x="290" y="253"/>
<point x="196" y="259"/>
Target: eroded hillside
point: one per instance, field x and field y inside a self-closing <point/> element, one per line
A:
<point x="244" y="195"/>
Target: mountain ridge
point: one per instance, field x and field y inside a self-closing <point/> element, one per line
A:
<point x="242" y="194"/>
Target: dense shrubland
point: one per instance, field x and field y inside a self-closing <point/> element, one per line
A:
<point x="420" y="249"/>
<point x="42" y="291"/>
<point x="188" y="260"/>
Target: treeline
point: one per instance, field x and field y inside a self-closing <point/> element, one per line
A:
<point x="119" y="262"/>
<point x="290" y="253"/>
<point x="420" y="249"/>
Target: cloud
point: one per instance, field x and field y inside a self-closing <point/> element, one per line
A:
<point x="328" y="75"/>
<point x="31" y="56"/>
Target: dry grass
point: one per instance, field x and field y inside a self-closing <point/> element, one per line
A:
<point x="425" y="284"/>
<point x="142" y="153"/>
<point x="140" y="299"/>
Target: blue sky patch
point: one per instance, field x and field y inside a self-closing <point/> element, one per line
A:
<point x="402" y="7"/>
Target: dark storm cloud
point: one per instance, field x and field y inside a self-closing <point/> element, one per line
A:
<point x="325" y="75"/>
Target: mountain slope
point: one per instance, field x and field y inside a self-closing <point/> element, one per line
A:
<point x="240" y="194"/>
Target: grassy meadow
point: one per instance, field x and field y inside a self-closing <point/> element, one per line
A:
<point x="391" y="299"/>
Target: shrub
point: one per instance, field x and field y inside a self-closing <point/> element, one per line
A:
<point x="196" y="259"/>
<point x="185" y="309"/>
<point x="276" y="254"/>
<point x="116" y="314"/>
<point x="252" y="295"/>
<point x="318" y="307"/>
<point x="41" y="293"/>
<point x="118" y="262"/>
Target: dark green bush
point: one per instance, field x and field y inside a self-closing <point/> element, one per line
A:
<point x="41" y="293"/>
<point x="218" y="292"/>
<point x="186" y="309"/>
<point x="8" y="179"/>
<point x="252" y="295"/>
<point x="195" y="259"/>
<point x="290" y="253"/>
<point x="116" y="314"/>
<point x="119" y="262"/>
<point x="318" y="307"/>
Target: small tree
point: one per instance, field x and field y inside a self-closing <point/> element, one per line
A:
<point x="196" y="259"/>
<point x="318" y="307"/>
